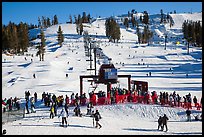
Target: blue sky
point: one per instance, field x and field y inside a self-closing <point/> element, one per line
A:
<point x="30" y="11"/>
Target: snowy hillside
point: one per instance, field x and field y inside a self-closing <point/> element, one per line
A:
<point x="180" y="18"/>
<point x="169" y="69"/>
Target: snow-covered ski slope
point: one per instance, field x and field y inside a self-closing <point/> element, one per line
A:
<point x="180" y="18"/>
<point x="122" y="119"/>
<point x="17" y="77"/>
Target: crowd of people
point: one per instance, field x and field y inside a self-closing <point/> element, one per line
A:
<point x="115" y="95"/>
<point x="54" y="102"/>
<point x="11" y="104"/>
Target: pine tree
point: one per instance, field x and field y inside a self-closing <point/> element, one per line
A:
<point x="39" y="22"/>
<point x="60" y="37"/>
<point x="48" y="22"/>
<point x="77" y="28"/>
<point x="126" y="23"/>
<point x="79" y="19"/>
<point x="55" y="20"/>
<point x="112" y="30"/>
<point x="168" y="17"/>
<point x="107" y="25"/>
<point x="147" y="34"/>
<point x="70" y="19"/>
<point x="185" y="29"/>
<point x="162" y="16"/>
<point x="15" y="39"/>
<point x="42" y="47"/>
<point x="79" y="25"/>
<point x="84" y="18"/>
<point x="138" y="33"/>
<point x="133" y="21"/>
<point x="75" y="18"/>
<point x="198" y="33"/>
<point x="128" y="14"/>
<point x="5" y="41"/>
<point x="171" y="22"/>
<point x="200" y="37"/>
<point x="146" y="18"/>
<point x="89" y="18"/>
<point x="116" y="32"/>
<point x="80" y="29"/>
<point x="23" y="36"/>
<point x="10" y="37"/>
<point x="44" y="22"/>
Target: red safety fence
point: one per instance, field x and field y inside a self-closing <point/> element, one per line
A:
<point x="136" y="99"/>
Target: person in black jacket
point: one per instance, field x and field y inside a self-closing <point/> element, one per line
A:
<point x="97" y="116"/>
<point x="164" y="122"/>
<point x="26" y="105"/>
<point x="188" y="113"/>
<point x="159" y="122"/>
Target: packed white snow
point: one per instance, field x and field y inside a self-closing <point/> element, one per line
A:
<point x="168" y="67"/>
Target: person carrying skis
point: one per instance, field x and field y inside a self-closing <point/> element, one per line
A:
<point x="64" y="117"/>
<point x="97" y="116"/>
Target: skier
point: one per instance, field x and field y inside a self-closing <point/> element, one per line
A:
<point x="35" y="95"/>
<point x="66" y="106"/>
<point x="89" y="107"/>
<point x="188" y="113"/>
<point x="164" y="122"/>
<point x="55" y="108"/>
<point x="34" y="75"/>
<point x="159" y="122"/>
<point x="26" y="105"/>
<point x="195" y="101"/>
<point x="77" y="110"/>
<point x="52" y="111"/>
<point x="97" y="116"/>
<point x="64" y="117"/>
<point x="32" y="105"/>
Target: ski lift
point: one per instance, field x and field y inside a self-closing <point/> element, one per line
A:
<point x="92" y="86"/>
